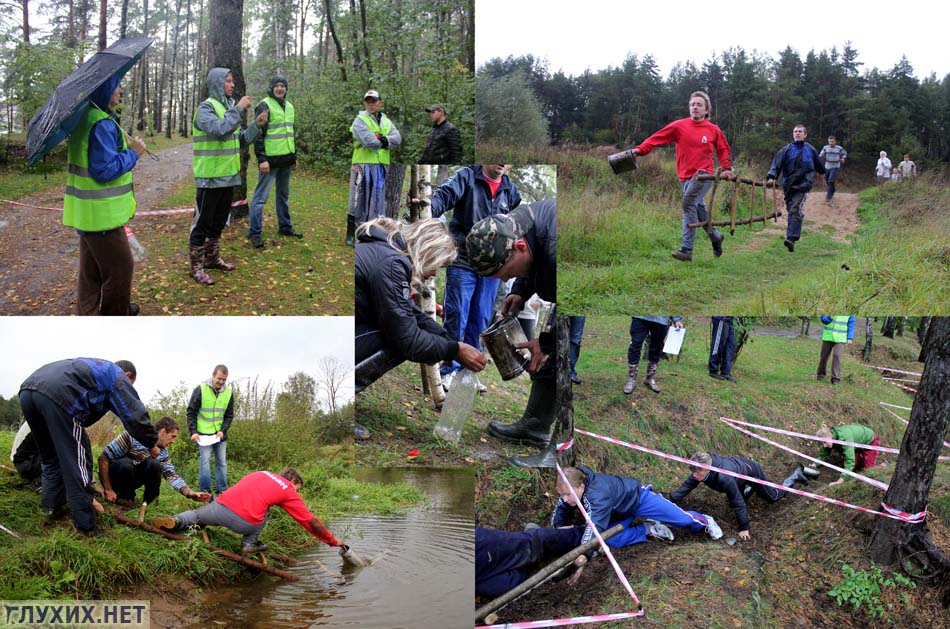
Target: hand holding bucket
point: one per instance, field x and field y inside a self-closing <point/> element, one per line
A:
<point x="501" y="339"/>
<point x="623" y="161"/>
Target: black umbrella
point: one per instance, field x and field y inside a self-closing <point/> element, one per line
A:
<point x="67" y="104"/>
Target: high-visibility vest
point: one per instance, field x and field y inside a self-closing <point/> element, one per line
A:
<point x="280" y="128"/>
<point x="89" y="205"/>
<point x="213" y="405"/>
<point x="364" y="155"/>
<point x="215" y="157"/>
<point x="836" y="331"/>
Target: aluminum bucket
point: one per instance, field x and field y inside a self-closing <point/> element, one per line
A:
<point x="622" y="162"/>
<point x="499" y="339"/>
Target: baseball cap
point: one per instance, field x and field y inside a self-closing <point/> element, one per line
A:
<point x="490" y="241"/>
<point x="432" y="108"/>
<point x="371" y="94"/>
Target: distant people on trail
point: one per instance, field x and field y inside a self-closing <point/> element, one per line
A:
<point x="838" y="331"/>
<point x="523" y="245"/>
<point x="797" y="162"/>
<point x="98" y="203"/>
<point x="907" y="167"/>
<point x="391" y="258"/>
<point x="217" y="136"/>
<point x="59" y="400"/>
<point x="243" y="509"/>
<point x="505" y="559"/>
<point x="276" y="154"/>
<point x="374" y="136"/>
<point x="25" y="456"/>
<point x="641" y="327"/>
<point x="210" y="413"/>
<point x="125" y="465"/>
<point x="883" y="168"/>
<point x="473" y="193"/>
<point x="611" y="500"/>
<point x="855" y="459"/>
<point x="696" y="138"/>
<point x="835" y="157"/>
<point x="577" y="335"/>
<point x="737" y="490"/>
<point x="722" y="348"/>
<point x="445" y="141"/>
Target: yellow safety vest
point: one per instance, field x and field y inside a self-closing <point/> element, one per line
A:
<point x="365" y="155"/>
<point x="836" y="331"/>
<point x="280" y="128"/>
<point x="215" y="157"/>
<point x="213" y="405"/>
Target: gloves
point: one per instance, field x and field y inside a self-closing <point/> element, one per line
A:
<point x="385" y="141"/>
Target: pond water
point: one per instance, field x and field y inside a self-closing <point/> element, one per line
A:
<point x="422" y="576"/>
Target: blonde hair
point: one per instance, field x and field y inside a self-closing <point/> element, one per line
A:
<point x="428" y="244"/>
<point x="700" y="457"/>
<point x="705" y="98"/>
<point x="573" y="475"/>
<point x="825" y="432"/>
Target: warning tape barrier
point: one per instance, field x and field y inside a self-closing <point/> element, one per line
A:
<point x="903" y="408"/>
<point x="909" y="373"/>
<point x="915" y="518"/>
<point x="905" y="388"/>
<point x="907" y="423"/>
<point x="902" y="380"/>
<point x="563" y="622"/>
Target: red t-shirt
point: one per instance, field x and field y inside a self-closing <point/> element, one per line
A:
<point x="694" y="146"/>
<point x="257" y="492"/>
<point x="493" y="184"/>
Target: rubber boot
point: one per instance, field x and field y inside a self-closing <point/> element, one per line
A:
<point x="534" y="427"/>
<point x="213" y="259"/>
<point x="546" y="459"/>
<point x="795" y="477"/>
<point x="716" y="238"/>
<point x="351" y="230"/>
<point x="196" y="255"/>
<point x="632" y="382"/>
<point x="651" y="378"/>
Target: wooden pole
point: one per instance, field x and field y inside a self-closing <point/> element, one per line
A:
<point x="121" y="517"/>
<point x="542" y="575"/>
<point x="751" y="203"/>
<point x="765" y="205"/>
<point x="745" y="221"/>
<point x="751" y="182"/>
<point x="735" y="202"/>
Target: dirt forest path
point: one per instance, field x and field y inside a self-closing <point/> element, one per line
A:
<point x="841" y="218"/>
<point x="39" y="256"/>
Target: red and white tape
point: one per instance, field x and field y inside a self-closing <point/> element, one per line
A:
<point x="902" y="380"/>
<point x="909" y="373"/>
<point x="907" y="423"/>
<point x="563" y="622"/>
<point x="561" y="447"/>
<point x="913" y="518"/>
<point x="790" y="433"/>
<point x="903" y="408"/>
<point x="905" y="388"/>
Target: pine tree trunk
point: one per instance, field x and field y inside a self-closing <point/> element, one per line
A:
<point x="395" y="176"/>
<point x="887" y="329"/>
<point x="336" y="39"/>
<point x="914" y="472"/>
<point x="103" y="6"/>
<point x="564" y="429"/>
<point x="869" y="334"/>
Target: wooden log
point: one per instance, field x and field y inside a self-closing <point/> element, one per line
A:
<point x="735" y="204"/>
<point x="542" y="575"/>
<point x="746" y="180"/>
<point x="121" y="517"/>
<point x="745" y="221"/>
<point x="765" y="205"/>
<point x="751" y="203"/>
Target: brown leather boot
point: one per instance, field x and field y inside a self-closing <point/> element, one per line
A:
<point x="651" y="378"/>
<point x="632" y="382"/>
<point x="213" y="259"/>
<point x="196" y="256"/>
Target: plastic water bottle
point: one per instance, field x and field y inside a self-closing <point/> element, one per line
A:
<point x="457" y="406"/>
<point x="138" y="249"/>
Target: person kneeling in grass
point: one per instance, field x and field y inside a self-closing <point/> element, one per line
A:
<point x="243" y="509"/>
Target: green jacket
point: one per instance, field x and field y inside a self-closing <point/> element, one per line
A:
<point x="855" y="433"/>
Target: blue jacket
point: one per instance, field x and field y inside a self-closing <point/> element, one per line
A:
<point x="606" y="498"/>
<point x="851" y="320"/>
<point x="723" y="483"/>
<point x="468" y="193"/>
<point x="88" y="388"/>
<point x="107" y="160"/>
<point x="797" y="162"/>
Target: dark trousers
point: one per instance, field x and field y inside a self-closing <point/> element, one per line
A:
<point x="831" y="174"/>
<point x="105" y="273"/>
<point x="67" y="457"/>
<point x="827" y="349"/>
<point x="794" y="200"/>
<point x="127" y="477"/>
<point x="638" y="333"/>
<point x="373" y="358"/>
<point x="722" y="346"/>
<point x="769" y="494"/>
<point x="577" y="334"/>
<point x="504" y="559"/>
<point x="213" y="207"/>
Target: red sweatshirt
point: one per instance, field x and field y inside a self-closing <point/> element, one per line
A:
<point x="694" y="146"/>
<point x="257" y="492"/>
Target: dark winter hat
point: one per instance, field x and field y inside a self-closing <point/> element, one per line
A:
<point x="432" y="108"/>
<point x="278" y="79"/>
<point x="491" y="240"/>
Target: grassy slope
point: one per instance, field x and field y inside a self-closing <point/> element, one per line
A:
<point x="615" y="235"/>
<point x="55" y="562"/>
<point x="784" y="573"/>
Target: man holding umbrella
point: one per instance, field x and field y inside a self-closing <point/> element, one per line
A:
<point x="99" y="201"/>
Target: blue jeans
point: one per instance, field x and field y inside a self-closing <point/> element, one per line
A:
<point x="830" y="175"/>
<point x="694" y="210"/>
<point x="220" y="466"/>
<point x="577" y="333"/>
<point x="262" y="193"/>
<point x="468" y="301"/>
<point x="794" y="200"/>
<point x="654" y="507"/>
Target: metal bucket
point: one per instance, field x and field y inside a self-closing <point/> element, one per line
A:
<point x="499" y="339"/>
<point x="622" y="162"/>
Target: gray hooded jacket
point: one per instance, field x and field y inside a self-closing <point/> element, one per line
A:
<point x="207" y="120"/>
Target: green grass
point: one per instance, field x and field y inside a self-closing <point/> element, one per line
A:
<point x="312" y="276"/>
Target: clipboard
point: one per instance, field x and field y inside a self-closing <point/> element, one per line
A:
<point x="674" y="340"/>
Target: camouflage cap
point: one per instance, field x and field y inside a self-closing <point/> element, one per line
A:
<point x="491" y="240"/>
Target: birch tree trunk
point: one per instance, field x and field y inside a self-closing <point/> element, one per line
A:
<point x="869" y="334"/>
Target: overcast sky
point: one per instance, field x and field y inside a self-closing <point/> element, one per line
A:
<point x="170" y="350"/>
<point x="595" y="34"/>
